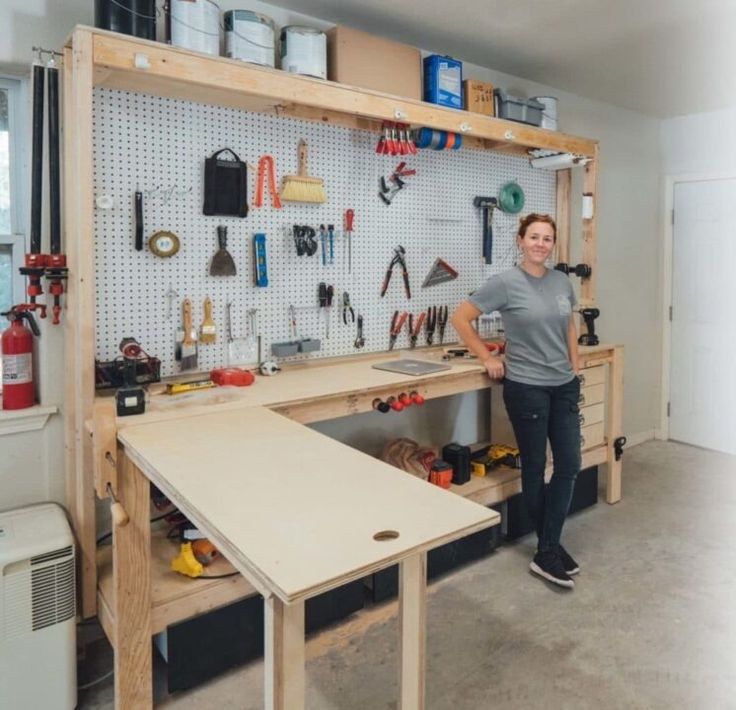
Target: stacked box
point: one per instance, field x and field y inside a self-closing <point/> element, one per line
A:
<point x="443" y="81"/>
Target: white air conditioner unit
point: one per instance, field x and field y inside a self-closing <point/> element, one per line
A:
<point x="38" y="666"/>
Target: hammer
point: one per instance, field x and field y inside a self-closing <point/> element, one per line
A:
<point x="487" y="204"/>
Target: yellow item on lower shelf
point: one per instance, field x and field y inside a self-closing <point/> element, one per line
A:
<point x="186" y="563"/>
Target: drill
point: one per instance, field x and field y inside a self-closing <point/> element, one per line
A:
<point x="589" y="315"/>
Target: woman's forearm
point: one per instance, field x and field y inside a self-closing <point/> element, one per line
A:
<point x="572" y="345"/>
<point x="462" y="322"/>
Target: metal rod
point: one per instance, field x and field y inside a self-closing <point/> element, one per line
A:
<point x="37" y="158"/>
<point x="54" y="169"/>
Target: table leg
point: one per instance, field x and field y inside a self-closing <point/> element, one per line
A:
<point x="284" y="656"/>
<point x="615" y="415"/>
<point x="132" y="584"/>
<point x="412" y="630"/>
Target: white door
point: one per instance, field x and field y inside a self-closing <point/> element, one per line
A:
<point x="703" y="347"/>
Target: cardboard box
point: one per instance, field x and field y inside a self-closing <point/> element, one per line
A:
<point x="478" y="97"/>
<point x="371" y="62"/>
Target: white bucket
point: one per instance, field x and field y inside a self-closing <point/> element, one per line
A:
<point x="250" y="37"/>
<point x="304" y="51"/>
<point x="195" y="25"/>
<point x="549" y="113"/>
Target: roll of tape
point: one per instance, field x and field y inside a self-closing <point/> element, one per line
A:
<point x="511" y="198"/>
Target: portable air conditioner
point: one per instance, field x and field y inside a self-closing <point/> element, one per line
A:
<point x="37" y="610"/>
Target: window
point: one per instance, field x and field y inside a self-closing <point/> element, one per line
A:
<point x="12" y="192"/>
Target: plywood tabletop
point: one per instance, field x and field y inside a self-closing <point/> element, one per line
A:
<point x="294" y="511"/>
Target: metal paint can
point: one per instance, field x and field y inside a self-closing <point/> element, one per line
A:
<point x="304" y="51"/>
<point x="194" y="24"/>
<point x="131" y="17"/>
<point x="549" y="113"/>
<point x="250" y="37"/>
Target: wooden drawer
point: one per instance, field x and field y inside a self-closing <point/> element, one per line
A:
<point x="592" y="394"/>
<point x="591" y="436"/>
<point x="593" y="375"/>
<point x="591" y="414"/>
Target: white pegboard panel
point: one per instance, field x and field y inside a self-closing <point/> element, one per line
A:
<point x="159" y="145"/>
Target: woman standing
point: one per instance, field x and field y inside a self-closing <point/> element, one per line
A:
<point x="540" y="383"/>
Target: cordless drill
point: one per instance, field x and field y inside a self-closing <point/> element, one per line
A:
<point x="589" y="315"/>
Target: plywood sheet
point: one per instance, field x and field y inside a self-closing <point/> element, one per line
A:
<point x="294" y="511"/>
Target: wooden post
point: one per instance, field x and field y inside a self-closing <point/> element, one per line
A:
<point x="412" y="631"/>
<point x="564" y="184"/>
<point x="615" y="416"/>
<point x="78" y="316"/>
<point x="284" y="654"/>
<point x="132" y="586"/>
<point x="588" y="286"/>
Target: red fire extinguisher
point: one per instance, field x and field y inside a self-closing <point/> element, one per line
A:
<point x="17" y="354"/>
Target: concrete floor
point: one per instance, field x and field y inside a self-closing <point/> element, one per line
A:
<point x="650" y="624"/>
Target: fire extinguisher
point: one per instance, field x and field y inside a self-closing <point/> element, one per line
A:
<point x="17" y="353"/>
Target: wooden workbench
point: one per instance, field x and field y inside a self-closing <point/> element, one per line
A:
<point x="291" y="531"/>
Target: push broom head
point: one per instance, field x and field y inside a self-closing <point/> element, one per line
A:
<point x="301" y="187"/>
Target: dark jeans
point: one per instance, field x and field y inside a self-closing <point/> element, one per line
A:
<point x="539" y="413"/>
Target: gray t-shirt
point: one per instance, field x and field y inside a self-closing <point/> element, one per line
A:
<point x="536" y="312"/>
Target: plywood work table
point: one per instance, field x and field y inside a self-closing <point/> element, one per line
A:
<point x="294" y="511"/>
<point x="297" y="514"/>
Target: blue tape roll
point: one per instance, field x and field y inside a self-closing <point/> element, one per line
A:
<point x="423" y="137"/>
<point x="458" y="141"/>
<point x="442" y="141"/>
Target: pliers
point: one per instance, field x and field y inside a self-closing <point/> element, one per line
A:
<point x="397" y="323"/>
<point x="398" y="259"/>
<point x="431" y="323"/>
<point x="414" y="332"/>
<point x="442" y="322"/>
<point x="347" y="308"/>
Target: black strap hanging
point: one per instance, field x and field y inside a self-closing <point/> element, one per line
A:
<point x="225" y="185"/>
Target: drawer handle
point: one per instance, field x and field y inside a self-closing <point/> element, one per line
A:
<point x="581" y="398"/>
<point x="581" y="419"/>
<point x="582" y="441"/>
<point x="581" y="377"/>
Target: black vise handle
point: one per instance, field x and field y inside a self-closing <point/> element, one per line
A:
<point x="618" y="447"/>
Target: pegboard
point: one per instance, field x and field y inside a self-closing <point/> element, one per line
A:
<point x="158" y="146"/>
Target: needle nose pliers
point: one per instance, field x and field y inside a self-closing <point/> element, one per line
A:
<point x="397" y="323"/>
<point x="442" y="322"/>
<point x="347" y="308"/>
<point x="431" y="323"/>
<point x="397" y="259"/>
<point x="414" y="332"/>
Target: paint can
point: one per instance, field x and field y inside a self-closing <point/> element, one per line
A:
<point x="131" y="17"/>
<point x="304" y="51"/>
<point x="549" y="112"/>
<point x="250" y="37"/>
<point x="194" y="24"/>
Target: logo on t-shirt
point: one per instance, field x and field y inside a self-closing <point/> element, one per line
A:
<point x="563" y="305"/>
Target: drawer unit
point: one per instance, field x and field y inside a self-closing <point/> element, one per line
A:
<point x="591" y="414"/>
<point x="591" y="436"/>
<point x="593" y="375"/>
<point x="592" y="394"/>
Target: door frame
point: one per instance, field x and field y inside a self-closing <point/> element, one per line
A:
<point x="667" y="244"/>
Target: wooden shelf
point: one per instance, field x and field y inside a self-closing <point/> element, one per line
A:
<point x="505" y="482"/>
<point x="132" y="64"/>
<point x="173" y="596"/>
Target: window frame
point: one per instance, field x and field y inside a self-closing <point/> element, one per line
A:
<point x="17" y="119"/>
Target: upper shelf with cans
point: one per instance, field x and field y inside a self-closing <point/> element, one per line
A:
<point x="129" y="63"/>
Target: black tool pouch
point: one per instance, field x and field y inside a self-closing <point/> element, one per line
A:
<point x="225" y="185"/>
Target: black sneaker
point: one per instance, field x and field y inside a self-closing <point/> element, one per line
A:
<point x="569" y="564"/>
<point x="549" y="566"/>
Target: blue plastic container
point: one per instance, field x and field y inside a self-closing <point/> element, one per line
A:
<point x="443" y="81"/>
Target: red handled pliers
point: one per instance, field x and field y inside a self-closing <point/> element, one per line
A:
<point x="397" y="323"/>
<point x="398" y="259"/>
